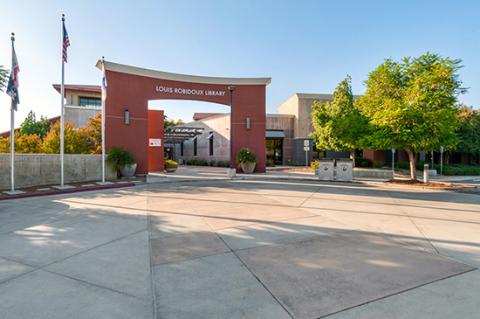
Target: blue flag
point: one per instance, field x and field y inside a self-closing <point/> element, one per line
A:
<point x="12" y="87"/>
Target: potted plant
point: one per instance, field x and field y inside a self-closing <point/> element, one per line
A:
<point x="247" y="160"/>
<point x="122" y="161"/>
<point x="170" y="166"/>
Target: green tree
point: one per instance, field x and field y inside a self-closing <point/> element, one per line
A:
<point x="338" y="125"/>
<point x="411" y="104"/>
<point x="31" y="126"/>
<point x="469" y="131"/>
<point x="3" y="77"/>
<point x="169" y="123"/>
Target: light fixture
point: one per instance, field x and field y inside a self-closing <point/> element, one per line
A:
<point x="247" y="122"/>
<point x="126" y="117"/>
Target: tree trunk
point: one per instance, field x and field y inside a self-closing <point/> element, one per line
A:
<point x="352" y="157"/>
<point x="411" y="159"/>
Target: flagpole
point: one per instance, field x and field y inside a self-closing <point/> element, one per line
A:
<point x="62" y="112"/>
<point x="12" y="134"/>
<point x="103" y="119"/>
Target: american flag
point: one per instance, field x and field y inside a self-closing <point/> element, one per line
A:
<point x="12" y="88"/>
<point x="66" y="43"/>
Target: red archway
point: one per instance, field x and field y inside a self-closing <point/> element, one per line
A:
<point x="130" y="88"/>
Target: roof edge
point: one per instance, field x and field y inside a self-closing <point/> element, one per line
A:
<point x="123" y="68"/>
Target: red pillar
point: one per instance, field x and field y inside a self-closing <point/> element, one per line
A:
<point x="155" y="141"/>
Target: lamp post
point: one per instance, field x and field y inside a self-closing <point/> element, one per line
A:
<point x="231" y="89"/>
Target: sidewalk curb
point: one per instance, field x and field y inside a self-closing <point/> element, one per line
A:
<point x="67" y="191"/>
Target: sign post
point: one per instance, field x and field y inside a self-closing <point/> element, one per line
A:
<point x="393" y="161"/>
<point x="306" y="148"/>
<point x="441" y="160"/>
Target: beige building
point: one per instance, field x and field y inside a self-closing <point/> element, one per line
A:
<point x="81" y="102"/>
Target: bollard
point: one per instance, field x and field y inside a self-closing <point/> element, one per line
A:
<point x="425" y="173"/>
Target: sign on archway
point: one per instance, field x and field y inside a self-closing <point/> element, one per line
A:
<point x="130" y="88"/>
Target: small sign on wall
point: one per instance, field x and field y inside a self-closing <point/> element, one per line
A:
<point x="154" y="142"/>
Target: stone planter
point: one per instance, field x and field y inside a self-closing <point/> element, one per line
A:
<point x="128" y="171"/>
<point x="248" y="168"/>
<point x="170" y="169"/>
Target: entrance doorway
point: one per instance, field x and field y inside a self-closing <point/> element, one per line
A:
<point x="274" y="150"/>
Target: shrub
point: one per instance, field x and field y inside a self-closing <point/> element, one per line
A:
<point x="246" y="156"/>
<point x="170" y="164"/>
<point x="74" y="140"/>
<point x="270" y="163"/>
<point x="222" y="164"/>
<point x="119" y="158"/>
<point x="461" y="169"/>
<point x="314" y="165"/>
<point x="363" y="162"/>
<point x="30" y="143"/>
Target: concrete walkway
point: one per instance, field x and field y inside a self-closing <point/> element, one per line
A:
<point x="242" y="249"/>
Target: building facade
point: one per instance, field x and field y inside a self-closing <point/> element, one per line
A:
<point x="81" y="102"/>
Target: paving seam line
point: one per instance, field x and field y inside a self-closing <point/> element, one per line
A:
<point x="35" y="267"/>
<point x="152" y="283"/>
<point x="415" y="224"/>
<point x="252" y="273"/>
<point x="396" y="293"/>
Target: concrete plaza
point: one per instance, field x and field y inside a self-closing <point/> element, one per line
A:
<point x="254" y="248"/>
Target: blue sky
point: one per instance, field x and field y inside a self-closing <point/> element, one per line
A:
<point x="305" y="46"/>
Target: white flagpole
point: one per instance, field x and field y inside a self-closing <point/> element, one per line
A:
<point x="12" y="134"/>
<point x="103" y="119"/>
<point x="62" y="112"/>
<point x="12" y="149"/>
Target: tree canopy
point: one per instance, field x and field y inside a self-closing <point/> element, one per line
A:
<point x="169" y="123"/>
<point x="469" y="131"/>
<point x="412" y="104"/>
<point x="31" y="126"/>
<point x="338" y="125"/>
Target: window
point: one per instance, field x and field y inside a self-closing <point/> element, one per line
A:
<point x="210" y="143"/>
<point x="195" y="146"/>
<point x="181" y="148"/>
<point x="95" y="102"/>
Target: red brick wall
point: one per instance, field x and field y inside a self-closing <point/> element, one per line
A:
<point x="155" y="130"/>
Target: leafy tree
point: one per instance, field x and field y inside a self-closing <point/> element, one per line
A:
<point x="30" y="143"/>
<point x="3" y="77"/>
<point x="92" y="134"/>
<point x="74" y="140"/>
<point x="31" y="126"/>
<point x="23" y="144"/>
<point x="169" y="123"/>
<point x="338" y="125"/>
<point x="469" y="131"/>
<point x="4" y="144"/>
<point x="411" y="104"/>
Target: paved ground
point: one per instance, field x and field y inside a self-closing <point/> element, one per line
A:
<point x="242" y="249"/>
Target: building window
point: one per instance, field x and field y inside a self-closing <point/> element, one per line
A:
<point x="181" y="148"/>
<point x="94" y="102"/>
<point x="210" y="143"/>
<point x="195" y="146"/>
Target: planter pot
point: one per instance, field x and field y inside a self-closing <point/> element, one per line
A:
<point x="248" y="168"/>
<point x="170" y="169"/>
<point x="128" y="171"/>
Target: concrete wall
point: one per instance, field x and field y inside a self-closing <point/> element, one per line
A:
<point x="79" y="115"/>
<point x="44" y="169"/>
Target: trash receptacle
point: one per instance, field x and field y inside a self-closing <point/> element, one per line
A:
<point x="344" y="170"/>
<point x="325" y="169"/>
